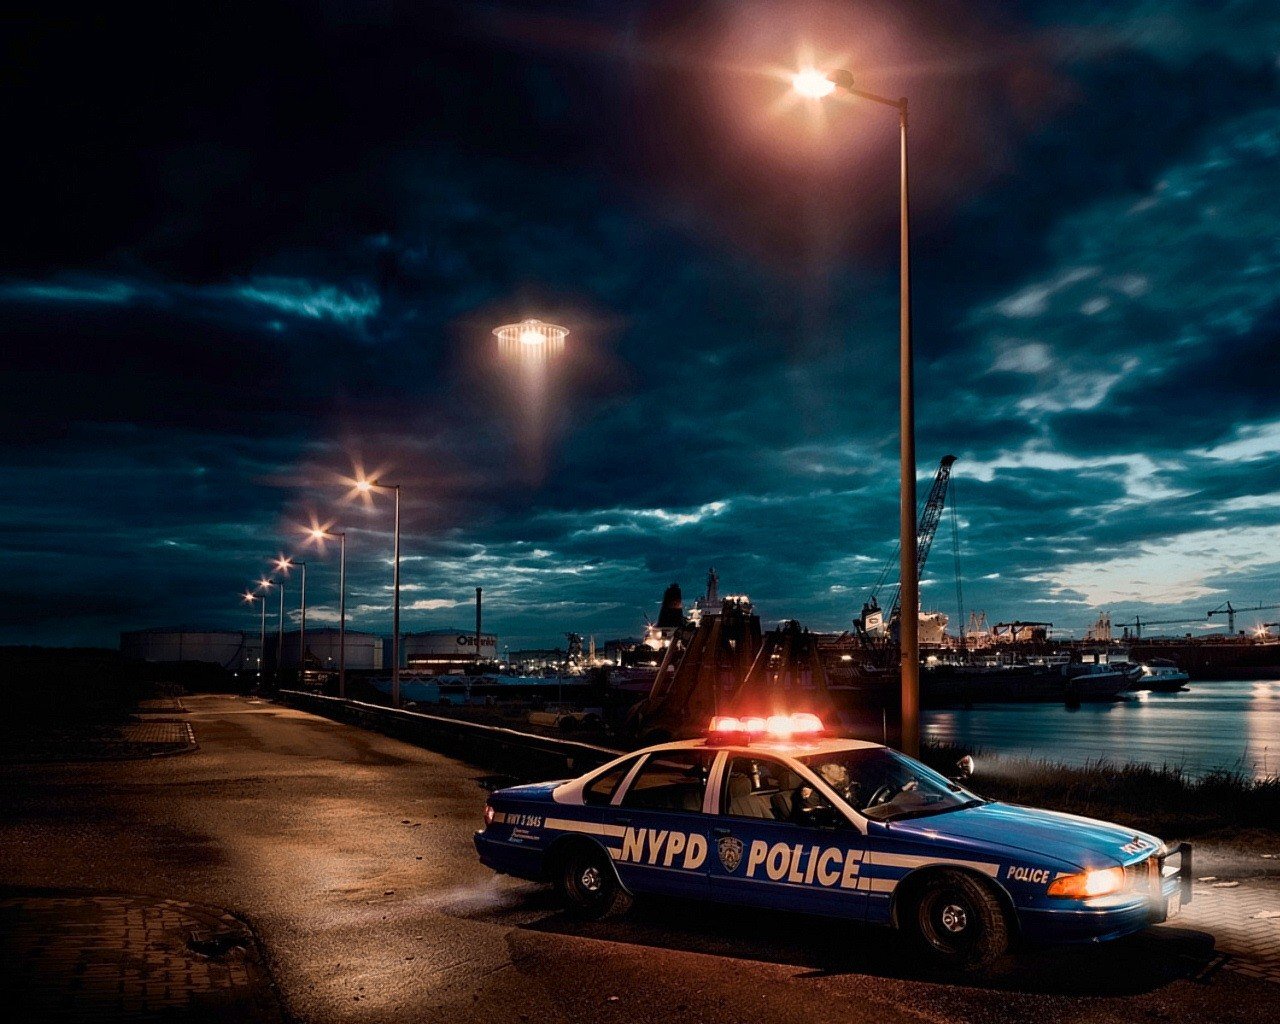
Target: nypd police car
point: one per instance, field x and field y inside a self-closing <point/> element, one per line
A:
<point x="775" y="813"/>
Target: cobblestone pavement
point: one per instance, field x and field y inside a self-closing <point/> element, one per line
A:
<point x="161" y="735"/>
<point x="130" y="741"/>
<point x="92" y="958"/>
<point x="1244" y="920"/>
<point x="162" y="706"/>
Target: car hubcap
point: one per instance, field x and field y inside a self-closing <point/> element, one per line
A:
<point x="954" y="919"/>
<point x="591" y="879"/>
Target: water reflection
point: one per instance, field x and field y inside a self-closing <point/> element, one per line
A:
<point x="1212" y="725"/>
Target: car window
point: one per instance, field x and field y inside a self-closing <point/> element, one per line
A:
<point x="600" y="790"/>
<point x="672" y="780"/>
<point x="884" y="784"/>
<point x="760" y="787"/>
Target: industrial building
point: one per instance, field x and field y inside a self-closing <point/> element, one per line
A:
<point x="442" y="651"/>
<point x="364" y="650"/>
<point x="231" y="649"/>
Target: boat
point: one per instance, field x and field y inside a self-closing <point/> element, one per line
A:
<point x="1160" y="675"/>
<point x="1094" y="682"/>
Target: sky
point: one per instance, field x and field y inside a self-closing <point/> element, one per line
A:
<point x="253" y="249"/>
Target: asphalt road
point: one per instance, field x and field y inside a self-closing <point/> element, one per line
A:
<point x="350" y="855"/>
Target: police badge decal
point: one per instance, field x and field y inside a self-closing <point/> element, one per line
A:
<point x="730" y="851"/>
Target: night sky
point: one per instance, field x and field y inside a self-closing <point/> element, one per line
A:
<point x="250" y="247"/>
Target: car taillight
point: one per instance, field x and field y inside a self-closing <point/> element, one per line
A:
<point x="488" y="815"/>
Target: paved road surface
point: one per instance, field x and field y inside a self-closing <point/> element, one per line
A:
<point x="350" y="855"/>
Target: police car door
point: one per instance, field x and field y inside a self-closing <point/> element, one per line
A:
<point x="778" y="842"/>
<point x="664" y="839"/>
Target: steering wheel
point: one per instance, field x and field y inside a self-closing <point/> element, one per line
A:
<point x="882" y="795"/>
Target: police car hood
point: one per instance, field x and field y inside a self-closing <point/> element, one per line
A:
<point x="1080" y="842"/>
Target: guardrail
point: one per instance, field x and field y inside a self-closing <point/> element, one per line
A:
<point x="508" y="751"/>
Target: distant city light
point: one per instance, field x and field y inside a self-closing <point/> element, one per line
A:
<point x="812" y="83"/>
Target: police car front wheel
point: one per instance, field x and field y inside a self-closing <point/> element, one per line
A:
<point x="588" y="885"/>
<point x="957" y="921"/>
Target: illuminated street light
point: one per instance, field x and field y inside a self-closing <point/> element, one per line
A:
<point x="319" y="535"/>
<point x="285" y="565"/>
<point x="532" y="336"/>
<point x="365" y="485"/>
<point x="249" y="598"/>
<point x="813" y="84"/>
<point x="266" y="584"/>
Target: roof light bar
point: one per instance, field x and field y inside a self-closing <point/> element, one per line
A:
<point x="732" y="728"/>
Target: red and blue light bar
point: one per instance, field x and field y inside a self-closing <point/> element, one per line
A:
<point x="738" y="729"/>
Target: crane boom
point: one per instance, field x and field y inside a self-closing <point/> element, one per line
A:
<point x="930" y="517"/>
<point x="1230" y="612"/>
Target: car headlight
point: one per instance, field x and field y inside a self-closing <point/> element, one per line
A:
<point x="1087" y="884"/>
<point x="488" y="815"/>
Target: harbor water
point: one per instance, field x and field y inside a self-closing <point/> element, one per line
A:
<point x="1232" y="726"/>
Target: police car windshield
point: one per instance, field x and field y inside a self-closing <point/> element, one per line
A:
<point x="884" y="785"/>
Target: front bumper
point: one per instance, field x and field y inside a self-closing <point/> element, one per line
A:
<point x="1156" y="896"/>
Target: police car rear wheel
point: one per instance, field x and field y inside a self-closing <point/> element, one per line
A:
<point x="959" y="923"/>
<point x="588" y="885"/>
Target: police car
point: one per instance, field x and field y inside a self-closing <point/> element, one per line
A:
<point x="775" y="813"/>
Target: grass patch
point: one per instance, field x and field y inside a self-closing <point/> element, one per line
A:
<point x="1160" y="799"/>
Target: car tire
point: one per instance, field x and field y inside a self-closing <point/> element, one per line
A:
<point x="588" y="885"/>
<point x="957" y="922"/>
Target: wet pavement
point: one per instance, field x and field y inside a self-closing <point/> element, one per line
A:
<point x="349" y="854"/>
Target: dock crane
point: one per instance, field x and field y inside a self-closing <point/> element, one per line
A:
<point x="1139" y="624"/>
<point x="930" y="517"/>
<point x="1230" y="612"/>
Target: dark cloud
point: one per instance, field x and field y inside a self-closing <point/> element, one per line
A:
<point x="252" y="246"/>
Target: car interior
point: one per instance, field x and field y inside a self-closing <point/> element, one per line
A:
<point x="767" y="789"/>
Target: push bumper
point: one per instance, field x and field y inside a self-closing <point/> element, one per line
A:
<point x="1113" y="917"/>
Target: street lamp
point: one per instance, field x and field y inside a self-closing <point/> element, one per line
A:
<point x="318" y="534"/>
<point x="266" y="584"/>
<point x="249" y="598"/>
<point x="815" y="85"/>
<point x="365" y="485"/>
<point x="284" y="565"/>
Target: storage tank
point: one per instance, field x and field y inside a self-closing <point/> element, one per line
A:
<point x="364" y="650"/>
<point x="231" y="649"/>
<point x="434" y="651"/>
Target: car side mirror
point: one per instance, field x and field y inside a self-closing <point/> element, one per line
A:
<point x="965" y="767"/>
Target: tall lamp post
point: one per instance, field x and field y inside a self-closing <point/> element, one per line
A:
<point x="815" y="85"/>
<point x="249" y="598"/>
<point x="318" y="534"/>
<point x="366" y="486"/>
<point x="284" y="565"/>
<point x="266" y="584"/>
